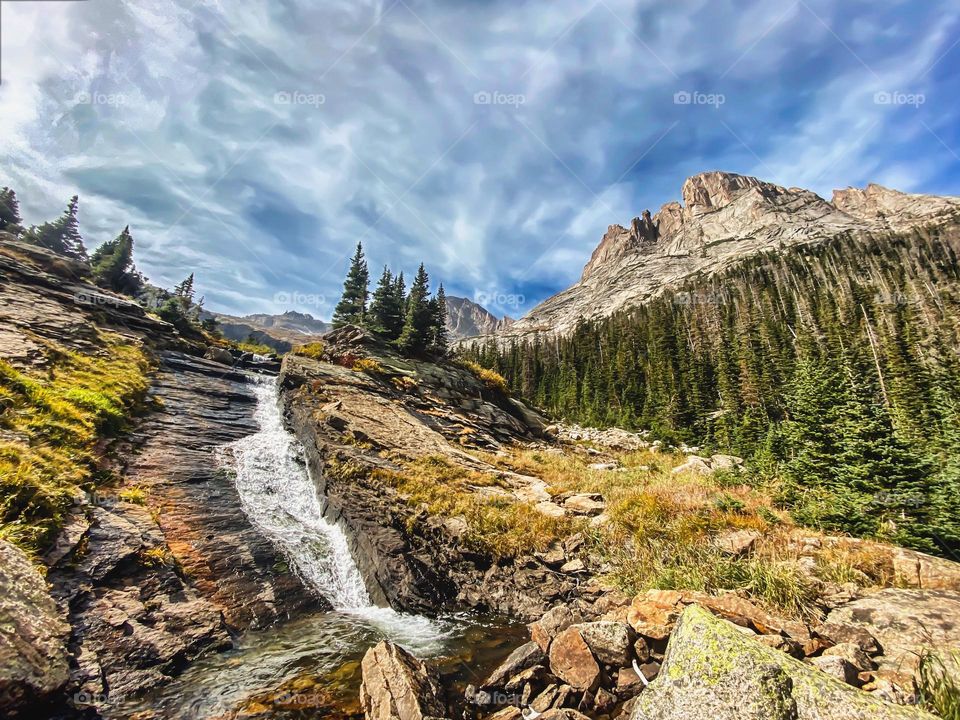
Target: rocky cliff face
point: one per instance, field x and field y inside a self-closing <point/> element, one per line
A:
<point x="156" y="562"/>
<point x="724" y="218"/>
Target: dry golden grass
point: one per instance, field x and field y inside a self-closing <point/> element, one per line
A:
<point x="496" y="522"/>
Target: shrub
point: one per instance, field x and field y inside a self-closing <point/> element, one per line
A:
<point x="368" y="366"/>
<point x="257" y="348"/>
<point x="491" y="378"/>
<point x="313" y="350"/>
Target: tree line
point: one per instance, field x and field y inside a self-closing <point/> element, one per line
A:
<point x="835" y="369"/>
<point x="111" y="266"/>
<point x="414" y="321"/>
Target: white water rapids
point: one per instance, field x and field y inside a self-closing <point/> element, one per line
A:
<point x="280" y="499"/>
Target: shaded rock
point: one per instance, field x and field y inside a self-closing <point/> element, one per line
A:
<point x="628" y="683"/>
<point x="572" y="661"/>
<point x="553" y="622"/>
<point x="525" y="656"/>
<point x="837" y="633"/>
<point x="33" y="652"/>
<point x="712" y="671"/>
<point x="398" y="686"/>
<point x="608" y="641"/>
<point x="836" y="667"/>
<point x="852" y="653"/>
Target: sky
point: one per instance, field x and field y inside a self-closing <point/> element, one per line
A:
<point x="255" y="143"/>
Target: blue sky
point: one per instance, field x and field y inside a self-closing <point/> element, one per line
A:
<point x="256" y="142"/>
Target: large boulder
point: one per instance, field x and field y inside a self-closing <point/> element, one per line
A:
<point x="33" y="653"/>
<point x="712" y="670"/>
<point x="572" y="661"/>
<point x="904" y="622"/>
<point x="609" y="641"/>
<point x="397" y="686"/>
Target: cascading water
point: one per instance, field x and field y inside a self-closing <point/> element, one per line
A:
<point x="281" y="500"/>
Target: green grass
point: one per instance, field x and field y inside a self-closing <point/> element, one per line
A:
<point x="939" y="684"/>
<point x="51" y="422"/>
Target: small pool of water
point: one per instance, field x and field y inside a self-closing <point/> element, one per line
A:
<point x="310" y="668"/>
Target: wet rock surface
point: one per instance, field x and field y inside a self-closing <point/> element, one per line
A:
<point x="353" y="423"/>
<point x="151" y="586"/>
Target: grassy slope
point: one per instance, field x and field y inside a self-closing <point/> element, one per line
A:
<point x="51" y="424"/>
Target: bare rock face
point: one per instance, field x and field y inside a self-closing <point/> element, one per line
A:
<point x="711" y="670"/>
<point x="33" y="652"/>
<point x="398" y="686"/>
<point x="572" y="661"/>
<point x="904" y="623"/>
<point x="466" y="318"/>
<point x="724" y="219"/>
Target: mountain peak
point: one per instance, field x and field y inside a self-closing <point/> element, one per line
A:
<point x="716" y="189"/>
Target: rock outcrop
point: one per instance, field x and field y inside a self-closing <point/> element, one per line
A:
<point x="354" y="423"/>
<point x="712" y="670"/>
<point x="466" y="318"/>
<point x="725" y="218"/>
<point x="33" y="633"/>
<point x="398" y="686"/>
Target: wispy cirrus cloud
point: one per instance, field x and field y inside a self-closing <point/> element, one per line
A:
<point x="257" y="143"/>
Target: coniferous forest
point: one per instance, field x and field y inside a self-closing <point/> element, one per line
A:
<point x="833" y="368"/>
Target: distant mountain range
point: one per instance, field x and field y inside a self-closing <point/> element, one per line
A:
<point x="465" y="318"/>
<point x="724" y="219"/>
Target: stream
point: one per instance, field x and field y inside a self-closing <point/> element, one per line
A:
<point x="310" y="666"/>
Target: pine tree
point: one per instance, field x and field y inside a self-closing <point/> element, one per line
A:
<point x="62" y="235"/>
<point x="9" y="211"/>
<point x="382" y="304"/>
<point x="418" y="325"/>
<point x="352" y="308"/>
<point x="112" y="264"/>
<point x="400" y="302"/>
<point x="438" y="310"/>
<point x="184" y="291"/>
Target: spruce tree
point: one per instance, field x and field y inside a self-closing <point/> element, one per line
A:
<point x="62" y="236"/>
<point x="352" y="308"/>
<point x="112" y="264"/>
<point x="382" y="304"/>
<point x="9" y="212"/>
<point x="184" y="291"/>
<point x="438" y="309"/>
<point x="417" y="327"/>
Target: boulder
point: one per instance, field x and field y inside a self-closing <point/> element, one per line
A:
<point x="553" y="622"/>
<point x="852" y="653"/>
<point x="397" y="686"/>
<point x="33" y="634"/>
<point x="904" y="623"/>
<point x="524" y="657"/>
<point x="712" y="671"/>
<point x="694" y="464"/>
<point x="736" y="542"/>
<point x="572" y="661"/>
<point x="219" y="355"/>
<point x="725" y="462"/>
<point x="584" y="504"/>
<point x="836" y="667"/>
<point x="608" y="641"/>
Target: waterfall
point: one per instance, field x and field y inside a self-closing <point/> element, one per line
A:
<point x="280" y="499"/>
